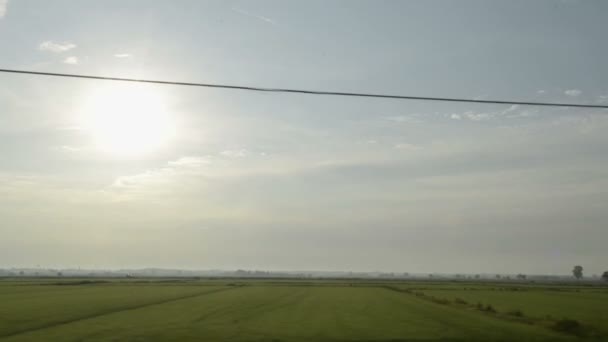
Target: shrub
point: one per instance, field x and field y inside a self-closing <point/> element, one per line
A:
<point x="441" y="301"/>
<point x="569" y="326"/>
<point x="489" y="308"/>
<point x="516" y="313"/>
<point x="460" y="301"/>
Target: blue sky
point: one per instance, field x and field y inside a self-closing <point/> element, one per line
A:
<point x="271" y="181"/>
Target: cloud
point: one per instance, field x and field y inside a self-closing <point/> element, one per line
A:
<point x="122" y="55"/>
<point x="406" y="146"/>
<point x="573" y="92"/>
<point x="410" y="118"/>
<point x="207" y="166"/>
<point x="148" y="177"/>
<point x="399" y="118"/>
<point x="471" y="115"/>
<point x="55" y="47"/>
<point x="189" y="161"/>
<point x="256" y="16"/>
<point x="68" y="148"/>
<point x="73" y="60"/>
<point x="541" y="91"/>
<point x="189" y="173"/>
<point x="70" y="128"/>
<point x="235" y="153"/>
<point x="183" y="166"/>
<point x="513" y="111"/>
<point x="3" y="7"/>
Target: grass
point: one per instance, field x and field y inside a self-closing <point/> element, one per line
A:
<point x="255" y="311"/>
<point x="25" y="308"/>
<point x="590" y="307"/>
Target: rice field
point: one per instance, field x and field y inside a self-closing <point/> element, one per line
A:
<point x="295" y="311"/>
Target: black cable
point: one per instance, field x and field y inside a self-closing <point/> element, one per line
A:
<point x="309" y="92"/>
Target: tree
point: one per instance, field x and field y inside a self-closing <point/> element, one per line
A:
<point x="521" y="276"/>
<point x="605" y="276"/>
<point x="578" y="271"/>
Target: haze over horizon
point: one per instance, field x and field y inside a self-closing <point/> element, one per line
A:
<point x="99" y="174"/>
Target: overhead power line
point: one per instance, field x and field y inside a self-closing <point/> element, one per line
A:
<point x="303" y="91"/>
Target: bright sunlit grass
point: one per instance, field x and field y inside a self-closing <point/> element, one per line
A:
<point x="127" y="120"/>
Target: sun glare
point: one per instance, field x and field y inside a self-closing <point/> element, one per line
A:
<point x="128" y="120"/>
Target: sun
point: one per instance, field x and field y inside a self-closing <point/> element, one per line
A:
<point x="127" y="120"/>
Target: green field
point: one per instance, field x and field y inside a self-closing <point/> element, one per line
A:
<point x="538" y="304"/>
<point x="293" y="311"/>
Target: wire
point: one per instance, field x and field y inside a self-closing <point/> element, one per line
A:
<point x="308" y="92"/>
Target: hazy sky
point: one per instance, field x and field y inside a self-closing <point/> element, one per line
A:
<point x="101" y="174"/>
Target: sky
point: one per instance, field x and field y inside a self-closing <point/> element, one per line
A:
<point x="100" y="174"/>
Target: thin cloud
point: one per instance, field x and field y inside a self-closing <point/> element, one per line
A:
<point x="70" y="128"/>
<point x="398" y="118"/>
<point x="189" y="161"/>
<point x="573" y="92"/>
<point x="69" y="148"/>
<point x="158" y="176"/>
<point x="172" y="170"/>
<point x="197" y="166"/>
<point x="235" y="153"/>
<point x="122" y="55"/>
<point x="514" y="111"/>
<point x="3" y="8"/>
<point x="510" y="109"/>
<point x="256" y="16"/>
<point x="471" y="115"/>
<point x="162" y="175"/>
<point x="407" y="146"/>
<point x="411" y="118"/>
<point x="55" y="47"/>
<point x="455" y="117"/>
<point x="72" y="60"/>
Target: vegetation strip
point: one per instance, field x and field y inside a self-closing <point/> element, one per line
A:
<point x="113" y="311"/>
<point x="565" y="326"/>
